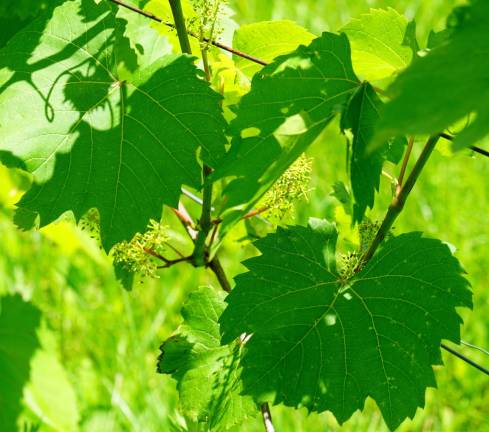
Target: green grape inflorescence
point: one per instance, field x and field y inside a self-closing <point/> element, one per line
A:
<point x="347" y="263"/>
<point x="367" y="230"/>
<point x="292" y="186"/>
<point x="206" y="21"/>
<point x="140" y="254"/>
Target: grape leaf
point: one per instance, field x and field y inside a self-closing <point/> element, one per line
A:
<point x="207" y="373"/>
<point x="267" y="40"/>
<point x="91" y="139"/>
<point x="362" y="116"/>
<point x="18" y="341"/>
<point x="290" y="103"/>
<point x="326" y="343"/>
<point x="439" y="89"/>
<point x="382" y="43"/>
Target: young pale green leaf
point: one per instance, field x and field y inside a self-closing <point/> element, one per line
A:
<point x="92" y="139"/>
<point x="267" y="40"/>
<point x="18" y="341"/>
<point x="328" y="344"/>
<point x="382" y="43"/>
<point x="439" y="89"/>
<point x="361" y="117"/>
<point x="207" y="373"/>
<point x="290" y="103"/>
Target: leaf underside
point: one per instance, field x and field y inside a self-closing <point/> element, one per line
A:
<point x="328" y="345"/>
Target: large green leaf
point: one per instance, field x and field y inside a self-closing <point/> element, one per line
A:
<point x="450" y="82"/>
<point x="18" y="341"/>
<point x="290" y="103"/>
<point x="326" y="343"/>
<point x="92" y="139"/>
<point x="382" y="43"/>
<point x="267" y="40"/>
<point x="208" y="374"/>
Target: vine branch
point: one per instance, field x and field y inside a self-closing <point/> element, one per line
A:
<point x="199" y="257"/>
<point x="168" y="262"/>
<point x="405" y="163"/>
<point x="218" y="270"/>
<point x="398" y="202"/>
<point x="267" y="417"/>
<point x="186" y="220"/>
<point x="177" y="12"/>
<point x="205" y="224"/>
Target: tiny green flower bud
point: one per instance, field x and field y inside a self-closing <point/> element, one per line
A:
<point x="292" y="186"/>
<point x="137" y="256"/>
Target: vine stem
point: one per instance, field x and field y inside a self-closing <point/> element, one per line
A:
<point x="186" y="220"/>
<point x="177" y="12"/>
<point x="216" y="267"/>
<point x="205" y="223"/>
<point x="398" y="201"/>
<point x="217" y="44"/>
<point x="405" y="163"/>
<point x="267" y="417"/>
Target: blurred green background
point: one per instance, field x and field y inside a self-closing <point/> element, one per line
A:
<point x="96" y="370"/>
